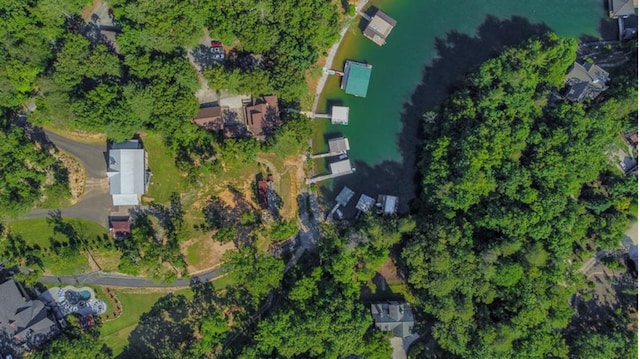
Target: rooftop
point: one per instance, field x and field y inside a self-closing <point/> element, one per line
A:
<point x="585" y="82"/>
<point x="210" y="118"/>
<point x="341" y="166"/>
<point x="394" y="317"/>
<point x="339" y="144"/>
<point x="365" y="203"/>
<point x="126" y="173"/>
<point x="379" y="28"/>
<point x="339" y="115"/>
<point x="356" y="78"/>
<point x="25" y="320"/>
<point x="344" y="196"/>
<point x="621" y="8"/>
<point x="262" y="116"/>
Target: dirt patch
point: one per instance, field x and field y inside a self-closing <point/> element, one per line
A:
<point x="207" y="252"/>
<point x="82" y="137"/>
<point x="390" y="272"/>
<point x="77" y="176"/>
<point x="228" y="198"/>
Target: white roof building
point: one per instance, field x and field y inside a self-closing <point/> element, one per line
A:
<point x="126" y="173"/>
<point x="339" y="115"/>
<point x="339" y="145"/>
<point x="341" y="166"/>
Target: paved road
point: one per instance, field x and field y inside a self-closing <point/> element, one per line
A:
<point x="115" y="280"/>
<point x="95" y="202"/>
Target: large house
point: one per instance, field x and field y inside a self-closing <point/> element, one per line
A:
<point x="26" y="322"/>
<point x="393" y="317"/>
<point x="262" y="116"/>
<point x="585" y="82"/>
<point x="127" y="173"/>
<point x="379" y="28"/>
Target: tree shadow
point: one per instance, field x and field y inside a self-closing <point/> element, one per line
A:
<point x="458" y="54"/>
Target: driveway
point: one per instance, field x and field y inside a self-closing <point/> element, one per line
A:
<point x="95" y="203"/>
<point x="116" y="280"/>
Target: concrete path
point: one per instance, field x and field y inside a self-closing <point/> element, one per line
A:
<point x="95" y="203"/>
<point x="117" y="280"/>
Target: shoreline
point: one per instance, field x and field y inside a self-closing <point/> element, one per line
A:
<point x="331" y="55"/>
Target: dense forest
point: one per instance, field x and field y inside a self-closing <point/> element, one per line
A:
<point x="509" y="175"/>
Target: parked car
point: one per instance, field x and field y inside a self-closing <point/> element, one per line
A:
<point x="215" y="43"/>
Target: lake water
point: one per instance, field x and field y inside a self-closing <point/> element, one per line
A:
<point x="432" y="46"/>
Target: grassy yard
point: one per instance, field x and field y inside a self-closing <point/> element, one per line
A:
<point x="38" y="232"/>
<point x="166" y="177"/>
<point x="136" y="302"/>
<point x="115" y="333"/>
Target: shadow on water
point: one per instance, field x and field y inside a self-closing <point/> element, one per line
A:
<point x="457" y="55"/>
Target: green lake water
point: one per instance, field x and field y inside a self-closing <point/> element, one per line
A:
<point x="432" y="46"/>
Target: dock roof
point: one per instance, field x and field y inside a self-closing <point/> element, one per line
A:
<point x="344" y="196"/>
<point x="379" y="28"/>
<point x="339" y="115"/>
<point x="339" y="144"/>
<point x="356" y="78"/>
<point x="365" y="203"/>
<point x="621" y="8"/>
<point x="341" y="166"/>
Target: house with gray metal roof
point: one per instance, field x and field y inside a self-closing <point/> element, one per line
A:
<point x="393" y="317"/>
<point x="127" y="173"/>
<point x="27" y="322"/>
<point x="585" y="82"/>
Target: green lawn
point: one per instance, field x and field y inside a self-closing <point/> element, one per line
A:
<point x="115" y="333"/>
<point x="166" y="177"/>
<point x="38" y="232"/>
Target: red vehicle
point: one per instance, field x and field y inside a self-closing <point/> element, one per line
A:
<point x="215" y="43"/>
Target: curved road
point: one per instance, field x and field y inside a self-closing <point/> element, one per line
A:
<point x="117" y="280"/>
<point x="95" y="202"/>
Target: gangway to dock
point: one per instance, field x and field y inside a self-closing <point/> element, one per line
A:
<point x="329" y="176"/>
<point x="327" y="154"/>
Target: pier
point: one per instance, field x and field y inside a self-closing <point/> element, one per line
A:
<point x="327" y="154"/>
<point x="329" y="176"/>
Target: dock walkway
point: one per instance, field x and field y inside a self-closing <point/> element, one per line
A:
<point x="329" y="176"/>
<point x="328" y="154"/>
<point x="364" y="16"/>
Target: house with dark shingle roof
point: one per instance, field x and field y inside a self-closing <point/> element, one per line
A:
<point x="28" y="322"/>
<point x="262" y="116"/>
<point x="585" y="81"/>
<point x="210" y="118"/>
<point x="393" y="317"/>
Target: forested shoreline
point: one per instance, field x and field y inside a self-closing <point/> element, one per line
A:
<point x="510" y="178"/>
<point x="517" y="189"/>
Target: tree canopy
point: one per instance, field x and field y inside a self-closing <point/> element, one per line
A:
<point x="504" y="173"/>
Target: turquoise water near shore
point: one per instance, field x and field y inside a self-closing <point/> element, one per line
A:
<point x="433" y="45"/>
